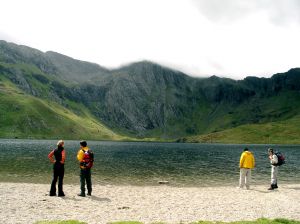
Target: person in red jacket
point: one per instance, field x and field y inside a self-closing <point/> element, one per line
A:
<point x="58" y="161"/>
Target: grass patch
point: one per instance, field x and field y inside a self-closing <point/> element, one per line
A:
<point x="258" y="221"/>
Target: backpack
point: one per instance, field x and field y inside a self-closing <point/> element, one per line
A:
<point x="88" y="159"/>
<point x="281" y="159"/>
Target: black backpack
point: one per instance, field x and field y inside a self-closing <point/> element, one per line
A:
<point x="281" y="159"/>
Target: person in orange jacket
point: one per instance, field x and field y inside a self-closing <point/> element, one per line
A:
<point x="58" y="161"/>
<point x="247" y="162"/>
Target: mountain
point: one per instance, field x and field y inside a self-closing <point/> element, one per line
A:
<point x="144" y="99"/>
<point x="29" y="104"/>
<point x="73" y="70"/>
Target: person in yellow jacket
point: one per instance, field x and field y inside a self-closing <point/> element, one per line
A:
<point x="247" y="162"/>
<point x="86" y="158"/>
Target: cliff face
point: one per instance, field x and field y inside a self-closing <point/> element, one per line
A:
<point x="146" y="99"/>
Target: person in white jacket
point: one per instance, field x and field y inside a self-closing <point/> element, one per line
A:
<point x="274" y="169"/>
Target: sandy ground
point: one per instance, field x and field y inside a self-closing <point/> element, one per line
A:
<point x="27" y="203"/>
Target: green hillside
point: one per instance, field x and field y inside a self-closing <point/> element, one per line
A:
<point x="25" y="116"/>
<point x="281" y="132"/>
<point x="50" y="95"/>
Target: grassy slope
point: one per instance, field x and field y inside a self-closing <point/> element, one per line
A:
<point x="281" y="132"/>
<point x="24" y="116"/>
<point x="277" y="121"/>
<point x="272" y="119"/>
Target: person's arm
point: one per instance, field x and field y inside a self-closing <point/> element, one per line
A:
<point x="80" y="155"/>
<point x="63" y="157"/>
<point x="253" y="161"/>
<point x="242" y="159"/>
<point x="50" y="156"/>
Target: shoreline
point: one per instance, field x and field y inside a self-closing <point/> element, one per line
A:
<point x="154" y="141"/>
<point x="146" y="185"/>
<point x="29" y="202"/>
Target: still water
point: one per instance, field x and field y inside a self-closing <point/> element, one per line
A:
<point x="140" y="163"/>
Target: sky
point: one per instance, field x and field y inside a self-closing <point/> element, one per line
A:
<point x="227" y="38"/>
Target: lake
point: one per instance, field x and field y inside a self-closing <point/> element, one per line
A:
<point x="144" y="163"/>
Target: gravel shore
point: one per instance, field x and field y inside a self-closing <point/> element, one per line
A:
<point x="26" y="203"/>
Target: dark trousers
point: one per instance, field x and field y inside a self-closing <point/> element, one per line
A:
<point x="58" y="173"/>
<point x="85" y="176"/>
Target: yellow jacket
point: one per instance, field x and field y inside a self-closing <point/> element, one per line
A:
<point x="80" y="155"/>
<point x="247" y="160"/>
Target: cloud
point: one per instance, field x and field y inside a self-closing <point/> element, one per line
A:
<point x="199" y="37"/>
<point x="279" y="12"/>
<point x="6" y="37"/>
<point x="283" y="12"/>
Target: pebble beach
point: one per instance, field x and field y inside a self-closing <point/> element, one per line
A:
<point x="27" y="203"/>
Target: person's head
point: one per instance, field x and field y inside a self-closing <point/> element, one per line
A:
<point x="83" y="143"/>
<point x="60" y="143"/>
<point x="270" y="151"/>
<point x="246" y="149"/>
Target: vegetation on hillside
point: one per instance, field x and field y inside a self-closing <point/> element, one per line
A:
<point x="142" y="100"/>
<point x="281" y="132"/>
<point x="26" y="116"/>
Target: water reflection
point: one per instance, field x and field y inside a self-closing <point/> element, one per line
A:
<point x="145" y="163"/>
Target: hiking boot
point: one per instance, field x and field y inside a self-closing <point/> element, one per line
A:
<point x="272" y="187"/>
<point x="275" y="186"/>
<point x="61" y="194"/>
<point x="81" y="195"/>
<point x="89" y="194"/>
<point x="52" y="194"/>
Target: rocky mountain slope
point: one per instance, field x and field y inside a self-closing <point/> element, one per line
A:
<point x="145" y="99"/>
